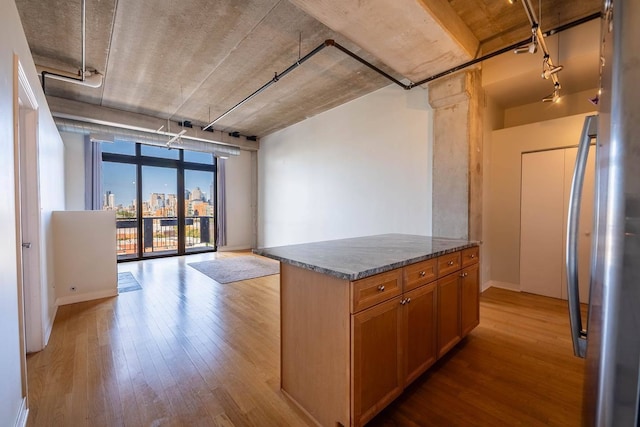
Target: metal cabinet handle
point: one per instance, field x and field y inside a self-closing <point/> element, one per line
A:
<point x="408" y="300"/>
<point x="450" y="263"/>
<point x="472" y="256"/>
<point x="423" y="273"/>
<point x="464" y="274"/>
<point x="380" y="288"/>
<point x="403" y="302"/>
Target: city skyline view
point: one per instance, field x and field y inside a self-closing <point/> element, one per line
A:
<point x="120" y="180"/>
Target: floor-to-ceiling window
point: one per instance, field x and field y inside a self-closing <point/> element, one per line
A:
<point x="164" y="199"/>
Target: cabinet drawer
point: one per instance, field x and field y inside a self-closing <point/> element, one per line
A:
<point x="470" y="255"/>
<point x="420" y="273"/>
<point x="372" y="290"/>
<point x="448" y="264"/>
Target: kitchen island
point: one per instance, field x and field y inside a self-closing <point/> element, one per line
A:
<point x="361" y="318"/>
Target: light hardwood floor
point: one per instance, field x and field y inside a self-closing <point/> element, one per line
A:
<point x="187" y="351"/>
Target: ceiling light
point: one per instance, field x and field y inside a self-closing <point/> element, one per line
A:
<point x="528" y="48"/>
<point x="511" y="1"/>
<point x="177" y="137"/>
<point x="531" y="47"/>
<point x="551" y="71"/>
<point x="553" y="96"/>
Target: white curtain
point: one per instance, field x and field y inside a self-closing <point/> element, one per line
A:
<point x="221" y="233"/>
<point x="92" y="174"/>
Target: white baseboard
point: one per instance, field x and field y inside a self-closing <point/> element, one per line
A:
<point x="23" y="414"/>
<point x="47" y="332"/>
<point x="502" y="285"/>
<point x="71" y="299"/>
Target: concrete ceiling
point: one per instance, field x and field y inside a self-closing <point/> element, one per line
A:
<point x="195" y="59"/>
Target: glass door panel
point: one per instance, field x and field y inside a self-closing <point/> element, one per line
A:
<point x="119" y="194"/>
<point x="199" y="210"/>
<point x="159" y="211"/>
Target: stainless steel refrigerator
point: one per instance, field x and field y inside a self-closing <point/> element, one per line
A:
<point x="611" y="340"/>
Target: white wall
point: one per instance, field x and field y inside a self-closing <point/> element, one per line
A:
<point x="12" y="40"/>
<point x="503" y="213"/>
<point x="85" y="255"/>
<point x="493" y="118"/>
<point x="360" y="169"/>
<point x="73" y="171"/>
<point x="241" y="205"/>
<point x="569" y="105"/>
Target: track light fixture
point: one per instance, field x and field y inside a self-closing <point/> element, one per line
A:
<point x="553" y="96"/>
<point x="531" y="47"/>
<point x="549" y="69"/>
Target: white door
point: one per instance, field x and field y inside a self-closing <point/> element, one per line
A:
<point x="545" y="190"/>
<point x="541" y="222"/>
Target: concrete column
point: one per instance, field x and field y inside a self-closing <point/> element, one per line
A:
<point x="457" y="155"/>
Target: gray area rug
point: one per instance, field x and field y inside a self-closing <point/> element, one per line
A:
<point x="127" y="283"/>
<point x="227" y="270"/>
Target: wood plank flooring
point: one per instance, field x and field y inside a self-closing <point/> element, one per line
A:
<point x="187" y="351"/>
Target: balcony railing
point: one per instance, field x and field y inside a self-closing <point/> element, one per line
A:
<point x="160" y="234"/>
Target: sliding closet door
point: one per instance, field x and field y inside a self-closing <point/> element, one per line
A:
<point x="541" y="226"/>
<point x="546" y="185"/>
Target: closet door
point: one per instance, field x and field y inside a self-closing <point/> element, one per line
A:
<point x="546" y="185"/>
<point x="541" y="222"/>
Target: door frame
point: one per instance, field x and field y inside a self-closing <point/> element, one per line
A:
<point x="28" y="227"/>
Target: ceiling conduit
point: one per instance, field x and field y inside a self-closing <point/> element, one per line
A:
<point x="410" y="85"/>
<point x="85" y="77"/>
<point x="157" y="138"/>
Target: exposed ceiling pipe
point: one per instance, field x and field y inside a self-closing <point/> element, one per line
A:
<point x="506" y="49"/>
<point x="295" y="65"/>
<point x="85" y="78"/>
<point x="157" y="138"/>
<point x="275" y="79"/>
<point x="91" y="79"/>
<point x="539" y="34"/>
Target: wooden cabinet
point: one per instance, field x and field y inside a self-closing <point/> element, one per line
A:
<point x="375" y="289"/>
<point x="420" y="273"/>
<point x="377" y="335"/>
<point x="469" y="299"/>
<point x="458" y="307"/>
<point x="393" y="343"/>
<point x="449" y="332"/>
<point x="420" y="331"/>
<point x="349" y="348"/>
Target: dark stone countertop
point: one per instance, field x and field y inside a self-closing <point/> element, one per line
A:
<point x="360" y="257"/>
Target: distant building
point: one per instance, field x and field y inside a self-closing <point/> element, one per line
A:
<point x="109" y="200"/>
<point x="196" y="194"/>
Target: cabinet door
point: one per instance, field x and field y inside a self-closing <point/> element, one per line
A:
<point x="448" y="295"/>
<point x="420" y="320"/>
<point x="376" y="365"/>
<point x="469" y="299"/>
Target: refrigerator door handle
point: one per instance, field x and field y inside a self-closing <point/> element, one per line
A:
<point x="578" y="335"/>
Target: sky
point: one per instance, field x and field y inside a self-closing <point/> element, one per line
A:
<point x="120" y="178"/>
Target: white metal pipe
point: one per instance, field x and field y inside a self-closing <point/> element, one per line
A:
<point x="157" y="138"/>
<point x="84" y="38"/>
<point x="93" y="80"/>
